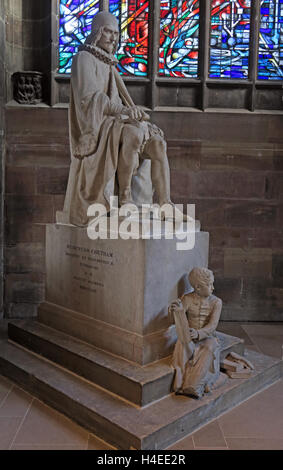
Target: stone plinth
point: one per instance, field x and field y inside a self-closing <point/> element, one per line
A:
<point x="141" y="385"/>
<point x="124" y="398"/>
<point x="121" y="423"/>
<point x="114" y="294"/>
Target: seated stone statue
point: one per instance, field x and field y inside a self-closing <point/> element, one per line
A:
<point x="111" y="139"/>
<point x="196" y="356"/>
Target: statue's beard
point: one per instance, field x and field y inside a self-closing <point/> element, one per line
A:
<point x="94" y="38"/>
<point x="109" y="50"/>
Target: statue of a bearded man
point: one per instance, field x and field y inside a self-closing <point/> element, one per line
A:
<point x="114" y="147"/>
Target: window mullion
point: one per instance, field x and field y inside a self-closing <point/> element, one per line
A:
<point x="204" y="44"/>
<point x="154" y="41"/>
<point x="54" y="50"/>
<point x="254" y="35"/>
<point x="104" y="5"/>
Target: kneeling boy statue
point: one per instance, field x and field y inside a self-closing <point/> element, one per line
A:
<point x="196" y="357"/>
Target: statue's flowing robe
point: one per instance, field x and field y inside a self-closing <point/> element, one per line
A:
<point x="97" y="96"/>
<point x="197" y="362"/>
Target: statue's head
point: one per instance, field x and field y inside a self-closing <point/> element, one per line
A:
<point x="104" y="32"/>
<point x="202" y="279"/>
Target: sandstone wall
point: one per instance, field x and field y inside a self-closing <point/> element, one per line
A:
<point x="229" y="164"/>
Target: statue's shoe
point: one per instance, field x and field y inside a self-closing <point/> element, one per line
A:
<point x="123" y="202"/>
<point x="125" y="197"/>
<point x="195" y="392"/>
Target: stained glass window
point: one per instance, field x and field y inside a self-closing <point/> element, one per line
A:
<point x="229" y="39"/>
<point x="270" y="54"/>
<point x="179" y="42"/>
<point x="132" y="53"/>
<point x="179" y="37"/>
<point x="75" y="25"/>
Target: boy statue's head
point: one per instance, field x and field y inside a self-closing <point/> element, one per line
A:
<point x="202" y="279"/>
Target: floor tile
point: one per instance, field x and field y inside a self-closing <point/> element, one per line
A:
<point x="45" y="447"/>
<point x="270" y="347"/>
<point x="211" y="448"/>
<point x="263" y="329"/>
<point x="259" y="417"/>
<point x="234" y="329"/>
<point x="8" y="429"/>
<point x="94" y="443"/>
<point x="253" y="347"/>
<point x="209" y="436"/>
<point x="5" y="387"/>
<point x="240" y="443"/>
<point x="16" y="404"/>
<point x="268" y="338"/>
<point x="185" y="444"/>
<point x="44" y="425"/>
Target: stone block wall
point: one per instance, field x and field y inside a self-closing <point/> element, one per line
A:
<point x="234" y="175"/>
<point x="230" y="165"/>
<point x="37" y="167"/>
<point x="2" y="135"/>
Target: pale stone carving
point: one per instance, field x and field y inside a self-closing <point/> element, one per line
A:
<point x="236" y="366"/>
<point x="111" y="139"/>
<point x="196" y="357"/>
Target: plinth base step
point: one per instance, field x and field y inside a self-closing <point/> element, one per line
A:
<point x="118" y="421"/>
<point x="138" y="384"/>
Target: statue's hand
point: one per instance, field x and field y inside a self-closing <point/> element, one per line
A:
<point x="193" y="333"/>
<point x="137" y="114"/>
<point x="146" y="117"/>
<point x="176" y="307"/>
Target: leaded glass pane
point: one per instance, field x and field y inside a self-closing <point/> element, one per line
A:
<point x="270" y="54"/>
<point x="132" y="53"/>
<point x="75" y="25"/>
<point x="230" y="39"/>
<point x="179" y="38"/>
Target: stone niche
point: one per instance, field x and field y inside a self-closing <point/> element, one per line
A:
<point x="114" y="294"/>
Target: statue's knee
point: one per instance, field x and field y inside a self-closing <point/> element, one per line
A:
<point x="160" y="144"/>
<point x="211" y="344"/>
<point x="132" y="138"/>
<point x="158" y="148"/>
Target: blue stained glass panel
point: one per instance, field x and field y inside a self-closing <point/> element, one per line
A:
<point x="270" y="53"/>
<point x="75" y="25"/>
<point x="229" y="39"/>
<point x="179" y="38"/>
